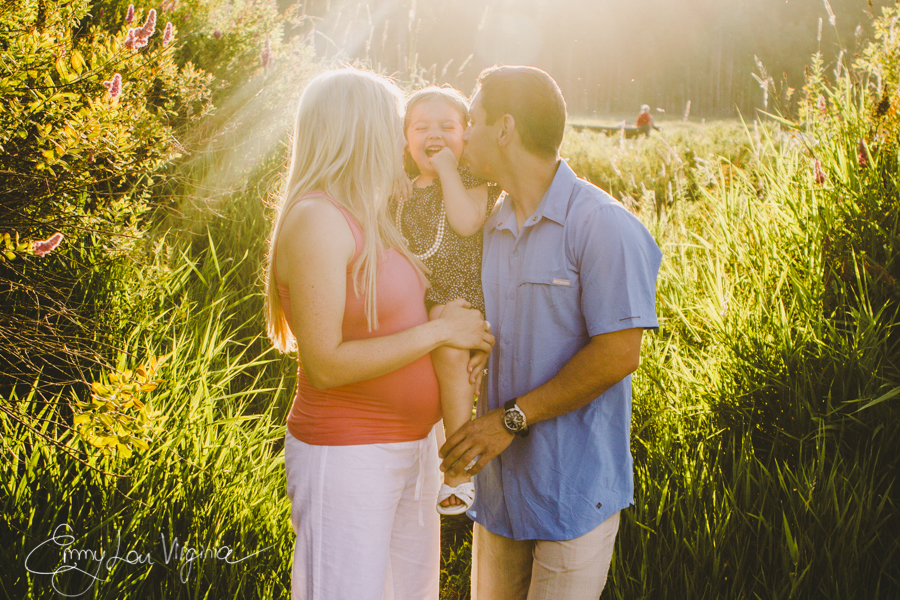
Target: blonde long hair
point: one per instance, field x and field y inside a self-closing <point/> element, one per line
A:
<point x="346" y="144"/>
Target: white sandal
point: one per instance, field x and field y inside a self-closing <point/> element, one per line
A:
<point x="464" y="491"/>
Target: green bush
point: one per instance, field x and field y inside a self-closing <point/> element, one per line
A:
<point x="86" y="127"/>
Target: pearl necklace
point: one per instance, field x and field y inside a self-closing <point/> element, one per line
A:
<point x="438" y="238"/>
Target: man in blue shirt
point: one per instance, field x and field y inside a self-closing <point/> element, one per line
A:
<point x="569" y="281"/>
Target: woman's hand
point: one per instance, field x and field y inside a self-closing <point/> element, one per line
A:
<point x="402" y="188"/>
<point x="465" y="328"/>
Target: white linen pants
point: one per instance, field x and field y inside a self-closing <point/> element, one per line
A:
<point x="365" y="520"/>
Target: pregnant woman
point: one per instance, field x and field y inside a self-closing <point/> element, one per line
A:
<point x="347" y="295"/>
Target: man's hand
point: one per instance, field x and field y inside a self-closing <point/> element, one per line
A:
<point x="476" y="367"/>
<point x="485" y="436"/>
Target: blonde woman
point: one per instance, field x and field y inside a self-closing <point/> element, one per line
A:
<point x="345" y="292"/>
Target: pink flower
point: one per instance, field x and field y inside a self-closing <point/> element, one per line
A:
<point x="217" y="34"/>
<point x="47" y="246"/>
<point x="167" y="34"/>
<point x="131" y="39"/>
<point x="114" y="86"/>
<point x="822" y="106"/>
<point x="129" y="14"/>
<point x="149" y="26"/>
<point x="138" y="36"/>
<point x="819" y="173"/>
<point x="265" y="56"/>
<point x="169" y="5"/>
<point x="862" y="154"/>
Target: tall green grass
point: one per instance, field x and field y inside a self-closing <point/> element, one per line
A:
<point x="212" y="478"/>
<point x="766" y="438"/>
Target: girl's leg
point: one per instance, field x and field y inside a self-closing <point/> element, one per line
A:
<point x="457" y="395"/>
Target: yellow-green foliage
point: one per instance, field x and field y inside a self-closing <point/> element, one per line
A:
<point x="71" y="151"/>
<point x="116" y="418"/>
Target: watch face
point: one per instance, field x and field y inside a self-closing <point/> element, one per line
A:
<point x="514" y="419"/>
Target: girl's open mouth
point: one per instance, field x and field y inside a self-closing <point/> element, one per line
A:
<point x="431" y="151"/>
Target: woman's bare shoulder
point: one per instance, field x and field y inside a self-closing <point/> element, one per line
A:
<point x="312" y="213"/>
<point x="314" y="229"/>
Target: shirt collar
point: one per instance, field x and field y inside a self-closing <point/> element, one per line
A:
<point x="554" y="205"/>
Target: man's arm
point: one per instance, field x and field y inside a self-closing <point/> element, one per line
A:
<point x="604" y="361"/>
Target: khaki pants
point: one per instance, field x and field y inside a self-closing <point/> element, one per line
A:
<point x="505" y="569"/>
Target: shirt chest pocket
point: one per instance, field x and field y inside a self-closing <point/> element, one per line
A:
<point x="552" y="295"/>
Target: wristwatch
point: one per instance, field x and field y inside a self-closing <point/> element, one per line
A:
<point x="514" y="419"/>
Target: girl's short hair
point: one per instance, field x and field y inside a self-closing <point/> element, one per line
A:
<point x="446" y="93"/>
<point x="345" y="144"/>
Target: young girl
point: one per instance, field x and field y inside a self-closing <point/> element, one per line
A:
<point x="442" y="224"/>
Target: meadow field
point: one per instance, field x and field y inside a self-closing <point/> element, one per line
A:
<point x="142" y="408"/>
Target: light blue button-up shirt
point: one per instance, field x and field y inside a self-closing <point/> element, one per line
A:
<point x="581" y="265"/>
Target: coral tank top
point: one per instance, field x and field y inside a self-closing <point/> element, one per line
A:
<point x="401" y="406"/>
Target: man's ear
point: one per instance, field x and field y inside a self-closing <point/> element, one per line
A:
<point x="506" y="133"/>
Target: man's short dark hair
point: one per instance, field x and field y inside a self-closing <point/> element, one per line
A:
<point x="532" y="98"/>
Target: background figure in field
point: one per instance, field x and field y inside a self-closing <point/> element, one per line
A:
<point x="346" y="293"/>
<point x="645" y="121"/>
<point x="442" y="222"/>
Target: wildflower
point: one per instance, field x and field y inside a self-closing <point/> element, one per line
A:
<point x="169" y="5"/>
<point x="130" y="40"/>
<point x="45" y="247"/>
<point x="139" y="42"/>
<point x="266" y="55"/>
<point x="129" y="14"/>
<point x="167" y="34"/>
<point x="138" y="36"/>
<point x="862" y="154"/>
<point x="114" y="86"/>
<point x="822" y="106"/>
<point x="819" y="173"/>
<point x="217" y="34"/>
<point x="149" y="26"/>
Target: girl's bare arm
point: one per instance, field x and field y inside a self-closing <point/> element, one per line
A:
<point x="466" y="208"/>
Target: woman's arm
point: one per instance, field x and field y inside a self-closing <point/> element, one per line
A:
<point x="314" y="246"/>
<point x="466" y="208"/>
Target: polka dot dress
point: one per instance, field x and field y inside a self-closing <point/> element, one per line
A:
<point x="456" y="263"/>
